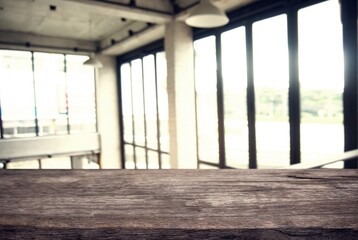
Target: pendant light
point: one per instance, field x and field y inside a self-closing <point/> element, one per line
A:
<point x="206" y="15"/>
<point x="92" y="61"/>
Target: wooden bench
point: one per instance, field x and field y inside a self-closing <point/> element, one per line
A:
<point x="179" y="204"/>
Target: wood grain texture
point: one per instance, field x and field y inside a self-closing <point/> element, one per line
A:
<point x="179" y="204"/>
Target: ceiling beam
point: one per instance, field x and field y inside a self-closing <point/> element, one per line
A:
<point x="148" y="35"/>
<point x="25" y="41"/>
<point x="121" y="11"/>
<point x="127" y="31"/>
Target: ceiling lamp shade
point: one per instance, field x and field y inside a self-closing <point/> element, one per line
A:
<point x="206" y="15"/>
<point x="93" y="62"/>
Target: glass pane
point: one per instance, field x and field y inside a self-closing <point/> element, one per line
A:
<point x="127" y="103"/>
<point x="81" y="95"/>
<point x="321" y="81"/>
<point x="129" y="157"/>
<point x="205" y="86"/>
<point x="204" y="166"/>
<point x="337" y="165"/>
<point x="153" y="162"/>
<point x="150" y="101"/>
<point x="235" y="81"/>
<point x="17" y="94"/>
<point x="165" y="161"/>
<point x="140" y="158"/>
<point x="50" y="93"/>
<point x="163" y="101"/>
<point x="138" y="109"/>
<point x="271" y="92"/>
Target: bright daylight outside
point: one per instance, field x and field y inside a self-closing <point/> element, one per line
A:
<point x="47" y="92"/>
<point x="321" y="87"/>
<point x="322" y="80"/>
<point x="34" y="104"/>
<point x="44" y="94"/>
<point x="145" y="112"/>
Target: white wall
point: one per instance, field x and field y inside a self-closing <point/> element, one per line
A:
<point x="180" y="68"/>
<point x="108" y="113"/>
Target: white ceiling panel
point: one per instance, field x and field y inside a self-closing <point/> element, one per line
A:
<point x="103" y="22"/>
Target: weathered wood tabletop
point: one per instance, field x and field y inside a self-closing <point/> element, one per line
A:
<point x="185" y="204"/>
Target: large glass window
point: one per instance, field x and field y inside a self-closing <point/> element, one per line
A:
<point x="145" y="112"/>
<point x="233" y="54"/>
<point x="163" y="113"/>
<point x="138" y="103"/>
<point x="270" y="54"/>
<point x="150" y="101"/>
<point x="206" y="99"/>
<point x="17" y="94"/>
<point x="321" y="81"/>
<point x="81" y="100"/>
<point x="127" y="113"/>
<point x="50" y="93"/>
<point x="266" y="89"/>
<point x="45" y="94"/>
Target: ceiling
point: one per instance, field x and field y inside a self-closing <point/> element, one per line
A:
<point x="111" y="27"/>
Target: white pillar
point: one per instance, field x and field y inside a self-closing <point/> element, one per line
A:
<point x="108" y="113"/>
<point x="180" y="66"/>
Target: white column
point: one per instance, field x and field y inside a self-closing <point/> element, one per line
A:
<point x="108" y="113"/>
<point x="180" y="66"/>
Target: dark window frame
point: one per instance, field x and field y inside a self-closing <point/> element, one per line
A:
<point x="261" y="10"/>
<point x="140" y="53"/>
<point x="34" y="82"/>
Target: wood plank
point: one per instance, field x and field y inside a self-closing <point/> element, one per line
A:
<point x="152" y="204"/>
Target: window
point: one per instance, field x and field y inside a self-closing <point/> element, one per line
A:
<point x="270" y="54"/>
<point x="81" y="95"/>
<point x="145" y="112"/>
<point x="17" y="94"/>
<point x="260" y="103"/>
<point x="233" y="51"/>
<point x="205" y="87"/>
<point x="321" y="81"/>
<point x="45" y="94"/>
<point x="50" y="93"/>
<point x="138" y="107"/>
<point x="163" y="109"/>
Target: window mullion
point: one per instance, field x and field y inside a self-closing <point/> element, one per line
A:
<point x="1" y="124"/>
<point x="67" y="99"/>
<point x="294" y="86"/>
<point x="95" y="96"/>
<point x="133" y="125"/>
<point x="144" y="116"/>
<point x="121" y="120"/>
<point x="349" y="20"/>
<point x="34" y="91"/>
<point x="251" y="98"/>
<point x="157" y="113"/>
<point x="220" y="103"/>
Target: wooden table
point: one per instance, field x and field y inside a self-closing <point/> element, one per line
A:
<point x="185" y="204"/>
